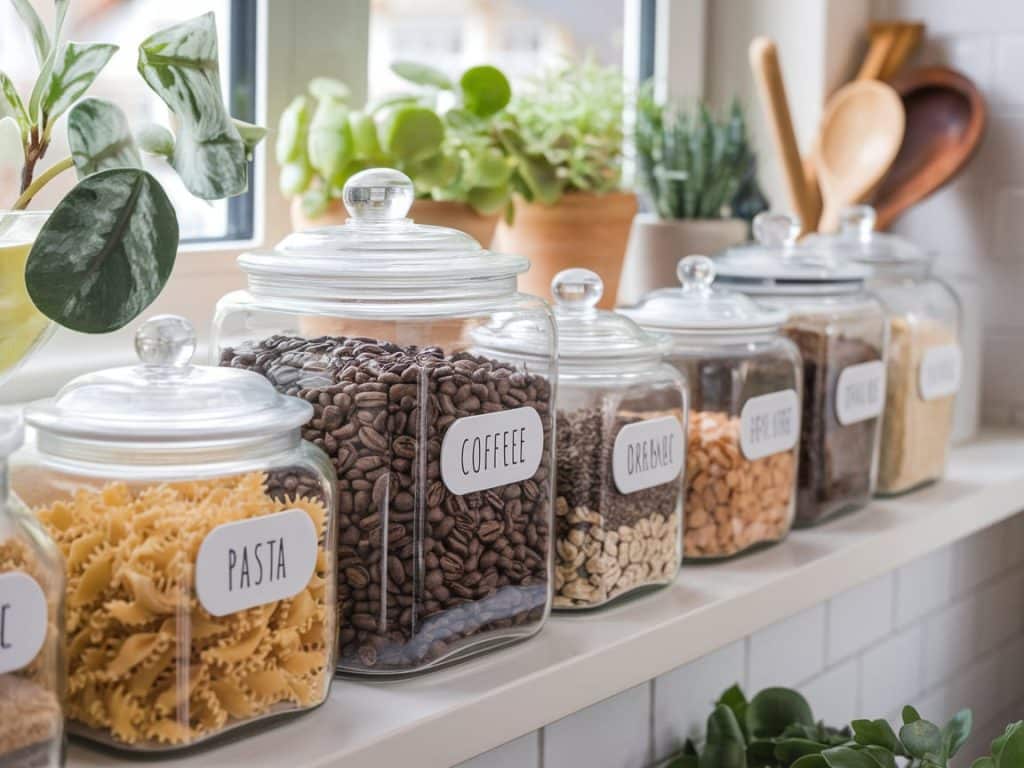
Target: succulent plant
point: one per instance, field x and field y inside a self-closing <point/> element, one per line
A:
<point x="692" y="165"/>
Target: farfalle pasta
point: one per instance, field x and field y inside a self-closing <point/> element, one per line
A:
<point x="148" y="663"/>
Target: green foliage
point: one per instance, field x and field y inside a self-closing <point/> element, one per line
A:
<point x="1007" y="750"/>
<point x="108" y="248"/>
<point x="692" y="165"/>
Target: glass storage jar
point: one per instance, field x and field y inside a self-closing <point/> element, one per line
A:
<point x="31" y="629"/>
<point x="444" y="455"/>
<point x="198" y="538"/>
<point x="924" y="360"/>
<point x="620" y="425"/>
<point x="841" y="331"/>
<point x="745" y="388"/>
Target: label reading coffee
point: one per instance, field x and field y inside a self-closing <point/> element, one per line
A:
<point x="769" y="424"/>
<point x="492" y="449"/>
<point x="860" y="392"/>
<point x="254" y="562"/>
<point x="23" y="620"/>
<point x="647" y="453"/>
<point x="939" y="374"/>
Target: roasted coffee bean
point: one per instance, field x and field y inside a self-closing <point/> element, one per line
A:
<point x="426" y="572"/>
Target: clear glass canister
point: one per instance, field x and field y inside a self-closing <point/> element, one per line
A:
<point x="444" y="455"/>
<point x="621" y="421"/>
<point x="32" y="675"/>
<point x="744" y="429"/>
<point x="924" y="360"/>
<point x="841" y="331"/>
<point x="198" y="539"/>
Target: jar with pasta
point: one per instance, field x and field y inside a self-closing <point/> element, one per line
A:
<point x="744" y="427"/>
<point x="31" y="630"/>
<point x="197" y="534"/>
<point x="924" y="362"/>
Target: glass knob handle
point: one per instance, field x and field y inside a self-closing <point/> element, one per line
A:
<point x="166" y="341"/>
<point x="577" y="288"/>
<point x="776" y="229"/>
<point x="378" y="194"/>
<point x="857" y="222"/>
<point x="696" y="273"/>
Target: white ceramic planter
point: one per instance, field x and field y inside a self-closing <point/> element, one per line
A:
<point x="656" y="246"/>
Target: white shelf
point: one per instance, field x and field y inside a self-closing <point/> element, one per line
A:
<point x="443" y="718"/>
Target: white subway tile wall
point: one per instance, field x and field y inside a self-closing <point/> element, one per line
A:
<point x="976" y="225"/>
<point x="945" y="645"/>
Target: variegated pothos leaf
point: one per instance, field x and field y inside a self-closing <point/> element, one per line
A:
<point x="100" y="138"/>
<point x="74" y="70"/>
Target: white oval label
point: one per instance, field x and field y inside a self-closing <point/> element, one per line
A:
<point x="860" y="392"/>
<point x="939" y="373"/>
<point x="648" y="453"/>
<point x="770" y="424"/>
<point x="254" y="562"/>
<point x="481" y="452"/>
<point x="23" y="620"/>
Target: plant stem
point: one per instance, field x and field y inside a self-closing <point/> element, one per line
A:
<point x="36" y="149"/>
<point x="26" y="197"/>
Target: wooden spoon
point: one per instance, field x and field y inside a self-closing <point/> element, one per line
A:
<point x="908" y="37"/>
<point x="764" y="62"/>
<point x="883" y="40"/>
<point x="861" y="132"/>
<point x="946" y="117"/>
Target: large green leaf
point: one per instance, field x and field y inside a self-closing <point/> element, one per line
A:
<point x="725" y="746"/>
<point x="74" y="70"/>
<point x="413" y="133"/>
<point x="877" y="732"/>
<point x="180" y="65"/>
<point x="847" y="757"/>
<point x="883" y="757"/>
<point x="485" y="90"/>
<point x="1011" y="747"/>
<point x="957" y="731"/>
<point x="47" y="64"/>
<point x="788" y="751"/>
<point x="330" y="143"/>
<point x="105" y="252"/>
<point x="810" y="761"/>
<point x="328" y="87"/>
<point x="155" y="140"/>
<point x="11" y="104"/>
<point x="771" y="710"/>
<point x="34" y="25"/>
<point x="922" y="738"/>
<point x="422" y="74"/>
<point x="292" y="128"/>
<point x="910" y="715"/>
<point x="100" y="138"/>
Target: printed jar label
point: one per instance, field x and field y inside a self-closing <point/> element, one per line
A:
<point x="22" y="620"/>
<point x="939" y="374"/>
<point x="860" y="392"/>
<point x="770" y="424"/>
<point x="648" y="453"/>
<point x="481" y="452"/>
<point x="253" y="562"/>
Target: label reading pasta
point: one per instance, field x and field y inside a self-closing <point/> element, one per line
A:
<point x="23" y="620"/>
<point x="648" y="453"/>
<point x="860" y="392"/>
<point x="481" y="452"/>
<point x="254" y="562"/>
<point x="939" y="373"/>
<point x="769" y="424"/>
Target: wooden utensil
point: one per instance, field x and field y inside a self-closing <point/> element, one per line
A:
<point x="882" y="40"/>
<point x="945" y="120"/>
<point x="861" y="132"/>
<point x="764" y="62"/>
<point x="907" y="38"/>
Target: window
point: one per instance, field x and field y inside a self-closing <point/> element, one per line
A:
<point x="127" y="23"/>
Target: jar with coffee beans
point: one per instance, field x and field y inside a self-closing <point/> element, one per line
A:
<point x="842" y="332"/>
<point x="197" y="534"/>
<point x="621" y="450"/>
<point x="744" y="427"/>
<point x="443" y="453"/>
<point x="924" y="361"/>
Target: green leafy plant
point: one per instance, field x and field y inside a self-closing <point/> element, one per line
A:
<point x="565" y="132"/>
<point x="692" y="165"/>
<point x="1007" y="750"/>
<point x="441" y="134"/>
<point x="108" y="248"/>
<point x="776" y="729"/>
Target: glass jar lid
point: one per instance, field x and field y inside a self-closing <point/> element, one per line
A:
<point x="586" y="332"/>
<point x="699" y="306"/>
<point x="776" y="263"/>
<point x="165" y="400"/>
<point x="857" y="240"/>
<point x="379" y="244"/>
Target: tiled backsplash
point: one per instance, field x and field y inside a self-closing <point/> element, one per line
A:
<point x="976" y="225"/>
<point x="944" y="632"/>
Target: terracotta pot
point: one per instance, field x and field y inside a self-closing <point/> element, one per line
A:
<point x="656" y="246"/>
<point x="437" y="212"/>
<point x="581" y="230"/>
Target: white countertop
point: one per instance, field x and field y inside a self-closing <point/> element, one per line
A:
<point x="445" y="717"/>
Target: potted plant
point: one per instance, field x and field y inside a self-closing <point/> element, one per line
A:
<point x="441" y="135"/>
<point x="565" y="135"/>
<point x="695" y="171"/>
<point x="102" y="256"/>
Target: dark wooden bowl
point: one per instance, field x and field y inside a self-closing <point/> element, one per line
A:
<point x="946" y="117"/>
